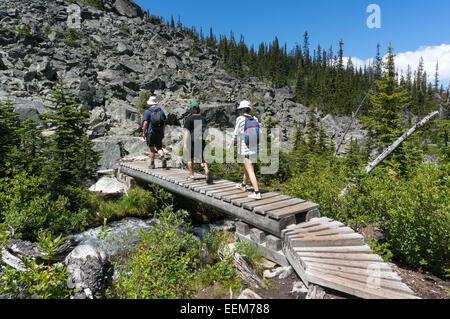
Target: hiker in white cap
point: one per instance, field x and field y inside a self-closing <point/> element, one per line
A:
<point x="247" y="132"/>
<point x="153" y="130"/>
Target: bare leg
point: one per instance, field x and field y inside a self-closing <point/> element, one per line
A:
<point x="205" y="167"/>
<point x="152" y="154"/>
<point x="191" y="168"/>
<point x="245" y="180"/>
<point x="248" y="167"/>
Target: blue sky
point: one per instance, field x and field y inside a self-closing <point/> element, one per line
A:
<point x="416" y="27"/>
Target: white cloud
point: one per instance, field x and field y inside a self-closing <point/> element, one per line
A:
<point x="357" y="62"/>
<point x="430" y="55"/>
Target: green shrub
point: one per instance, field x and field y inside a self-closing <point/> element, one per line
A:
<point x="24" y="29"/>
<point x="142" y="105"/>
<point x="97" y="4"/>
<point x="71" y="36"/>
<point x="251" y="255"/>
<point x="411" y="210"/>
<point x="28" y="208"/>
<point x="124" y="29"/>
<point x="164" y="264"/>
<point x="138" y="203"/>
<point x="38" y="281"/>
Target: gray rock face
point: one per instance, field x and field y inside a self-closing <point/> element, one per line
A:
<point x="118" y="54"/>
<point x="90" y="272"/>
<point x="127" y="8"/>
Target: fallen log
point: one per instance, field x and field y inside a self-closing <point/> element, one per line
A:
<point x="246" y="273"/>
<point x="397" y="143"/>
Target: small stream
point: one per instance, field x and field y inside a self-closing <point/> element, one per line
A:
<point x="119" y="237"/>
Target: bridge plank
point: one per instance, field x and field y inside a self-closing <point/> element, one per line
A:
<point x="313" y="229"/>
<point x="383" y="273"/>
<point x="214" y="185"/>
<point x="347" y="256"/>
<point x="325" y="232"/>
<point x="370" y="279"/>
<point x="294" y="210"/>
<point x="342" y="249"/>
<point x="224" y="187"/>
<point x="381" y="266"/>
<point x="353" y="287"/>
<point x="212" y="192"/>
<point x="333" y="240"/>
<point x="254" y="203"/>
<point x="190" y="184"/>
<point x="193" y="186"/>
<point x="228" y="198"/>
<point x="224" y="193"/>
<point x="240" y="201"/>
<point x="274" y="205"/>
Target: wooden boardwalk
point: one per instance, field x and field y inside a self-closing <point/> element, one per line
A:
<point x="329" y="254"/>
<point x="272" y="214"/>
<point x="322" y="251"/>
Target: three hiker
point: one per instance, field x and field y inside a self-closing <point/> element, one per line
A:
<point x="154" y="124"/>
<point x="195" y="127"/>
<point x="247" y="134"/>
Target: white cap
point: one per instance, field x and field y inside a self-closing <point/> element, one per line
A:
<point x="244" y="105"/>
<point x="152" y="100"/>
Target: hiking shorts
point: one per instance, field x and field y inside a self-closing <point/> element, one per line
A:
<point x="193" y="155"/>
<point x="154" y="139"/>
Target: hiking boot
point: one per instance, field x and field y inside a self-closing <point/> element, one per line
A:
<point x="255" y="196"/>
<point x="164" y="162"/>
<point x="209" y="177"/>
<point x="152" y="165"/>
<point x="242" y="187"/>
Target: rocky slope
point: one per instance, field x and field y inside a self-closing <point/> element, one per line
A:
<point x="111" y="57"/>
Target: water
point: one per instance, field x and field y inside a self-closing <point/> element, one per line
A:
<point x="116" y="237"/>
<point x="122" y="236"/>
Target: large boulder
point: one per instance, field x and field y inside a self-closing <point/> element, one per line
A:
<point x="124" y="7"/>
<point x="108" y="186"/>
<point x="115" y="148"/>
<point x="90" y="272"/>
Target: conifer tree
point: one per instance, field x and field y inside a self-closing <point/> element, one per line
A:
<point x="9" y="136"/>
<point x="386" y="101"/>
<point x="70" y="159"/>
<point x="28" y="155"/>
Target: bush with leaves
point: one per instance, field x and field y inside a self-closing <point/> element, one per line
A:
<point x="29" y="208"/>
<point x="38" y="281"/>
<point x="164" y="264"/>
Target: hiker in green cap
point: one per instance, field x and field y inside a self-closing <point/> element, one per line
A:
<point x="195" y="128"/>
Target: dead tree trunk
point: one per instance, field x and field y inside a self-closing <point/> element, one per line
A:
<point x="246" y="273"/>
<point x="390" y="149"/>
<point x="349" y="126"/>
<point x="397" y="143"/>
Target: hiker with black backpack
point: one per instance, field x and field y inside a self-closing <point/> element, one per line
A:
<point x="247" y="133"/>
<point x="154" y="124"/>
<point x="195" y="128"/>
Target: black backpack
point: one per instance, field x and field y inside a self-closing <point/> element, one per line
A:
<point x="156" y="119"/>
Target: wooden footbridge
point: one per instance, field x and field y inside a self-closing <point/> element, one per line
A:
<point x="288" y="231"/>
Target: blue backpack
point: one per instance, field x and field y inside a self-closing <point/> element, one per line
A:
<point x="251" y="131"/>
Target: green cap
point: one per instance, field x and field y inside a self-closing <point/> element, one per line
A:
<point x="194" y="105"/>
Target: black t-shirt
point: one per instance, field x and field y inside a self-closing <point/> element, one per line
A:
<point x="197" y="125"/>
